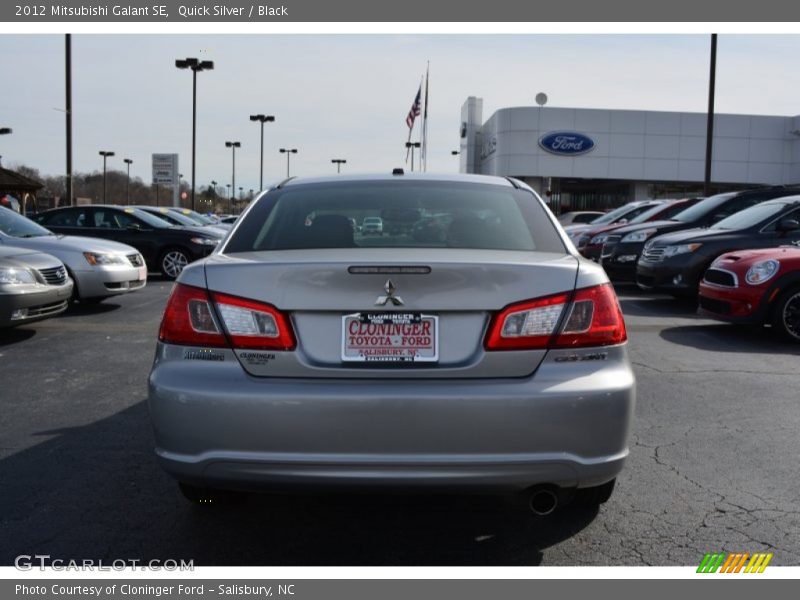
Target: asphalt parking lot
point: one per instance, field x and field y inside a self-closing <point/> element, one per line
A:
<point x="713" y="462"/>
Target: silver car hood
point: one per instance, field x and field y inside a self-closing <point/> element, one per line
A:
<point x="16" y="252"/>
<point x="54" y="243"/>
<point x="11" y="256"/>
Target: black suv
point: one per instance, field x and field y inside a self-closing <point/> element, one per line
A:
<point x="165" y="248"/>
<point x="623" y="247"/>
<point x="676" y="262"/>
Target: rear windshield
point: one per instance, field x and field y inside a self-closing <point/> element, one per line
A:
<point x="412" y="215"/>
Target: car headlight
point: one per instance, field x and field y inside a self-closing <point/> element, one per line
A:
<point x="638" y="236"/>
<point x="204" y="241"/>
<point x="680" y="249"/>
<point x="97" y="258"/>
<point x="762" y="271"/>
<point x="599" y="239"/>
<point x="13" y="276"/>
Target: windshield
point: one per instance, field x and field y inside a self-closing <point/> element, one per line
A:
<point x="641" y="218"/>
<point x="145" y="216"/>
<point x="702" y="208"/>
<point x="614" y="215"/>
<point x="751" y="216"/>
<point x="16" y="225"/>
<point x="171" y="216"/>
<point x="195" y="217"/>
<point x="411" y="215"/>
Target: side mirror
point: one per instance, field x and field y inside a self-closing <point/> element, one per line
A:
<point x="134" y="227"/>
<point x="718" y="217"/>
<point x="787" y="225"/>
<point x="622" y="221"/>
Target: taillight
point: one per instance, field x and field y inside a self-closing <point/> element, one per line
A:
<point x="592" y="318"/>
<point x="254" y="325"/>
<point x="191" y="320"/>
<point x="526" y="325"/>
<point x="595" y="319"/>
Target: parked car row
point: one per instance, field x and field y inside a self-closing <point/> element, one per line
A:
<point x="166" y="247"/>
<point x="693" y="252"/>
<point x="90" y="253"/>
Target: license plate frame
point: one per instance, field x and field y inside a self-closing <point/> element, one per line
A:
<point x="396" y="352"/>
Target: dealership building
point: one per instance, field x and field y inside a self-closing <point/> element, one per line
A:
<point x="597" y="158"/>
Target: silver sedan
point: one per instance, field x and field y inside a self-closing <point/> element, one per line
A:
<point x="33" y="286"/>
<point x="99" y="268"/>
<point x="489" y="356"/>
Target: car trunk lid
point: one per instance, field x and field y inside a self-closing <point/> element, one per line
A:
<point x="455" y="291"/>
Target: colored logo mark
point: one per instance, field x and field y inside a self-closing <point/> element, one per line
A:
<point x="734" y="562"/>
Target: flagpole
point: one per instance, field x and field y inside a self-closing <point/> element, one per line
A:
<point x="423" y="156"/>
<point x="413" y="121"/>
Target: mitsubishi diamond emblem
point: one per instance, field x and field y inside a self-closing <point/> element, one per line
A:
<point x="389" y="297"/>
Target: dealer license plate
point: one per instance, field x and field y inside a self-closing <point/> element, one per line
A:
<point x="390" y="337"/>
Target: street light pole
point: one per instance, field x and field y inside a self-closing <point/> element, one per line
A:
<point x="338" y="162"/>
<point x="288" y="152"/>
<point x="712" y="77"/>
<point x="128" y="162"/>
<point x="105" y="154"/>
<point x="195" y="65"/>
<point x="68" y="112"/>
<point x="262" y="119"/>
<point x="233" y="146"/>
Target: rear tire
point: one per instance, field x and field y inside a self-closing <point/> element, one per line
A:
<point x="594" y="496"/>
<point x="786" y="314"/>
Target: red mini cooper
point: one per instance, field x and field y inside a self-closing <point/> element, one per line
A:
<point x="755" y="287"/>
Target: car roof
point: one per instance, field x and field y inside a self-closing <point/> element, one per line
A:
<point x="377" y="177"/>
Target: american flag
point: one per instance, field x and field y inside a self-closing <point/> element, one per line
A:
<point x="415" y="109"/>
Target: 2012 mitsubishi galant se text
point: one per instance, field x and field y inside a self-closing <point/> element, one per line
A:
<point x="303" y="351"/>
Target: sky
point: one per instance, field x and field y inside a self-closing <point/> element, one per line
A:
<point x="347" y="96"/>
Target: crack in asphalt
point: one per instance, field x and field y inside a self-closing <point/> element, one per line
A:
<point x="720" y="502"/>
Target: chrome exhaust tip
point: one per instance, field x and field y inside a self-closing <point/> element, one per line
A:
<point x="543" y="501"/>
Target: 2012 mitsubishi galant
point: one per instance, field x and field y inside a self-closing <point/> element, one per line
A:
<point x="302" y="351"/>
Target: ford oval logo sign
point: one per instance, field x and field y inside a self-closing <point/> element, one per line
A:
<point x="567" y="143"/>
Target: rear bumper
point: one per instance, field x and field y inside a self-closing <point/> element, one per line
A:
<point x="568" y="425"/>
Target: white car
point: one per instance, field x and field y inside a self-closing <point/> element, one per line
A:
<point x="372" y="225"/>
